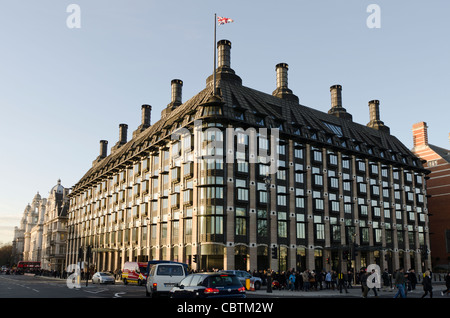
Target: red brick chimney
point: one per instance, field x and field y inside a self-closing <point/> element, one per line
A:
<point x="420" y="135"/>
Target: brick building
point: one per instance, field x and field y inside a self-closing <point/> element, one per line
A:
<point x="438" y="189"/>
<point x="235" y="178"/>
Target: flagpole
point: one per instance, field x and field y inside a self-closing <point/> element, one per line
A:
<point x="214" y="76"/>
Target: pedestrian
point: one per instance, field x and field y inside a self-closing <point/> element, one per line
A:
<point x="292" y="281"/>
<point x="305" y="276"/>
<point x="412" y="279"/>
<point x="427" y="285"/>
<point x="349" y="279"/>
<point x="373" y="281"/>
<point x="363" y="280"/>
<point x="386" y="281"/>
<point x="342" y="278"/>
<point x="447" y="284"/>
<point x="328" y="280"/>
<point x="400" y="281"/>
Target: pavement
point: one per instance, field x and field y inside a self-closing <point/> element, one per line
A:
<point x="354" y="292"/>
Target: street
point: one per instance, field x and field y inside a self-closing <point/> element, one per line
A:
<point x="23" y="286"/>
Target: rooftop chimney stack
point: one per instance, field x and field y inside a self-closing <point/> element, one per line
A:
<point x="420" y="135"/>
<point x="103" y="152"/>
<point x="336" y="103"/>
<point x="375" y="122"/>
<point x="282" y="90"/>
<point x="282" y="75"/>
<point x="123" y="130"/>
<point x="336" y="96"/>
<point x="177" y="86"/>
<point x="223" y="55"/>
<point x="146" y="111"/>
<point x="103" y="149"/>
<point x="223" y="70"/>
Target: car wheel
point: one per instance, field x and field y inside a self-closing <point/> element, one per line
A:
<point x="125" y="281"/>
<point x="147" y="294"/>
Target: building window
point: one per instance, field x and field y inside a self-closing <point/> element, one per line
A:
<point x="282" y="225"/>
<point x="301" y="228"/>
<point x="262" y="223"/>
<point x="241" y="221"/>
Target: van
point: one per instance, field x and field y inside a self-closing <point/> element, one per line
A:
<point x="163" y="277"/>
<point x="135" y="272"/>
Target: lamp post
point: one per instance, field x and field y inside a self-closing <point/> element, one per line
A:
<point x="267" y="180"/>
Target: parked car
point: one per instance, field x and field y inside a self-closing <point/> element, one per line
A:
<point x="103" y="278"/>
<point x="243" y="276"/>
<point x="209" y="285"/>
<point x="134" y="272"/>
<point x="163" y="277"/>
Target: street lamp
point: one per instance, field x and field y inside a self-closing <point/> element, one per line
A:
<point x="267" y="180"/>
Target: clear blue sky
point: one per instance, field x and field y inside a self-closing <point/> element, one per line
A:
<point x="62" y="90"/>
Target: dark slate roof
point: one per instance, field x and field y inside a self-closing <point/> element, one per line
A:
<point x="444" y="153"/>
<point x="306" y="123"/>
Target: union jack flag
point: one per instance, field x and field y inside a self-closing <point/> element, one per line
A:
<point x="224" y="20"/>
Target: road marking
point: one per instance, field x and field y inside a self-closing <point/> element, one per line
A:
<point x="37" y="291"/>
<point x="117" y="294"/>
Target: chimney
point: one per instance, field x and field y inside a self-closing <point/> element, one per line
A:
<point x="420" y="134"/>
<point x="224" y="55"/>
<point x="223" y="70"/>
<point x="375" y="122"/>
<point x="282" y="75"/>
<point x="336" y="103"/>
<point x="282" y="90"/>
<point x="123" y="129"/>
<point x="103" y="149"/>
<point x="103" y="152"/>
<point x="176" y="92"/>
<point x="336" y="96"/>
<point x="146" y="111"/>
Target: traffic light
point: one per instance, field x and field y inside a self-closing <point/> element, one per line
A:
<point x="328" y="260"/>
<point x="195" y="259"/>
<point x="354" y="253"/>
<point x="275" y="252"/>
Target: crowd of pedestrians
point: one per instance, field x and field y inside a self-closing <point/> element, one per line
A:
<point x="400" y="282"/>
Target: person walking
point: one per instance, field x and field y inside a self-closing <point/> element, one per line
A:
<point x="386" y="281"/>
<point x="400" y="281"/>
<point x="305" y="276"/>
<point x="291" y="281"/>
<point x="363" y="280"/>
<point x="447" y="284"/>
<point x="427" y="285"/>
<point x="342" y="282"/>
<point x="412" y="278"/>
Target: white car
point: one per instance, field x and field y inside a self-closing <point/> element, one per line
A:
<point x="163" y="277"/>
<point x="103" y="278"/>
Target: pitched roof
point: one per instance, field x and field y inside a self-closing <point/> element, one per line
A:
<point x="246" y="107"/>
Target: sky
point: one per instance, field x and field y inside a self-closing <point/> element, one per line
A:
<point x="65" y="88"/>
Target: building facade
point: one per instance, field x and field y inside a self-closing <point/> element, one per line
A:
<point x="41" y="236"/>
<point x="235" y="178"/>
<point x="437" y="160"/>
<point x="54" y="241"/>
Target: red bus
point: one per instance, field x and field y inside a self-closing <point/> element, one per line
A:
<point x="28" y="266"/>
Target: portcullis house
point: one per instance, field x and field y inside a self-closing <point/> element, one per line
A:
<point x="235" y="178"/>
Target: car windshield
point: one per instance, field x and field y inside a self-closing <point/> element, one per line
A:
<point x="223" y="281"/>
<point x="170" y="270"/>
<point x="105" y="274"/>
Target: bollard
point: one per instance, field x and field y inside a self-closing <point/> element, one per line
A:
<point x="247" y="284"/>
